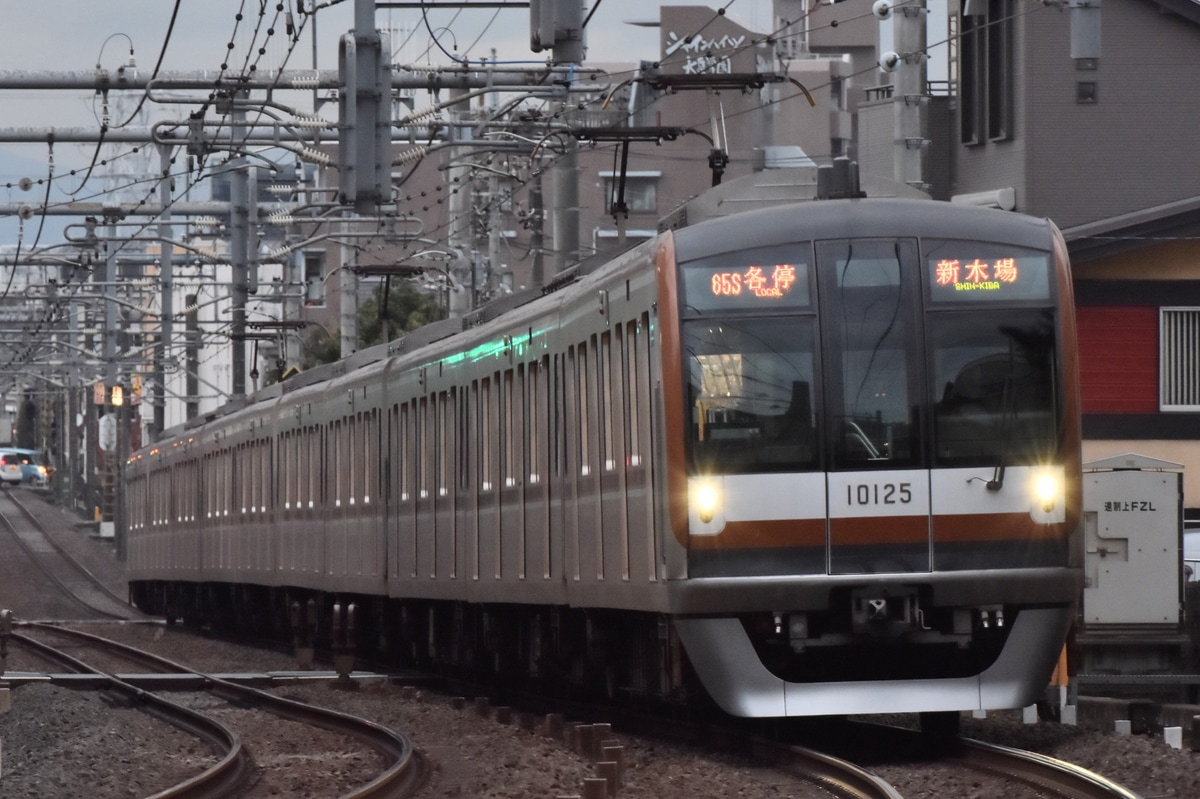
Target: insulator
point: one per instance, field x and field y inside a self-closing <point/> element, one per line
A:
<point x="314" y="122"/>
<point x="418" y="116"/>
<point x="306" y="82"/>
<point x="409" y="156"/>
<point x="314" y="155"/>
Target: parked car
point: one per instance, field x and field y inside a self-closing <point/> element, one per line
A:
<point x="10" y="468"/>
<point x="23" y="467"/>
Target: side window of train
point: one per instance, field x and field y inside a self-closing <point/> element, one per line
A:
<point x="229" y="477"/>
<point x="465" y="437"/>
<point x="533" y="415"/>
<point x="320" y="455"/>
<point x="558" y="408"/>
<point x="247" y="483"/>
<point x="303" y="468"/>
<point x="509" y="429"/>
<point x="484" y="409"/>
<point x="576" y="402"/>
<point x="420" y="463"/>
<point x="404" y="453"/>
<point x="608" y="403"/>
<point x="446" y="437"/>
<point x="336" y="472"/>
<point x="284" y="469"/>
<point x="351" y="468"/>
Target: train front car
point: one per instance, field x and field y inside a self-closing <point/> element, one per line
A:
<point x="873" y="456"/>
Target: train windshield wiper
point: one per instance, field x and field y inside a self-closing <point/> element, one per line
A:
<point x="1007" y="413"/>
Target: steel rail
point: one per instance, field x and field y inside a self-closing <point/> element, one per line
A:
<point x="400" y="776"/>
<point x="220" y="780"/>
<point x="95" y="581"/>
<point x="1048" y="775"/>
<point x="1065" y="779"/>
<point x="7" y="524"/>
<point x="840" y="777"/>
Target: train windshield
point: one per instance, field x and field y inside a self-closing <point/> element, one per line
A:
<point x="900" y="371"/>
<point x="868" y="307"/>
<point x="750" y="394"/>
<point x="993" y="386"/>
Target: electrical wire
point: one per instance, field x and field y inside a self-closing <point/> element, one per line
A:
<point x="162" y="52"/>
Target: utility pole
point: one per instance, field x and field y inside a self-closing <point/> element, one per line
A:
<point x="458" y="187"/>
<point x="191" y="357"/>
<point x="364" y="106"/>
<point x="909" y="97"/>
<point x="348" y="291"/>
<point x="495" y="273"/>
<point x="110" y="444"/>
<point x="166" y="276"/>
<point x="566" y="207"/>
<point x="239" y="247"/>
<point x="557" y="25"/>
<point x="536" y="238"/>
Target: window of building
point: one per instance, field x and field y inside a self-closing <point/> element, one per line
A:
<point x="985" y="66"/>
<point x="1179" y="359"/>
<point x="641" y="191"/>
<point x="314" y="277"/>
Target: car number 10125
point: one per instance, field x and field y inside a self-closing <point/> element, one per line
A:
<point x="879" y="494"/>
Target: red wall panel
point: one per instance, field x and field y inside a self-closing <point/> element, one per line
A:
<point x="1118" y="359"/>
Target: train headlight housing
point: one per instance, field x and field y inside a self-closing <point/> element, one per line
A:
<point x="1047" y="489"/>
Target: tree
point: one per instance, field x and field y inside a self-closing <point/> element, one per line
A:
<point x="405" y="309"/>
<point x="320" y="346"/>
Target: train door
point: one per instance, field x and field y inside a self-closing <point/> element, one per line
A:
<point x="877" y="485"/>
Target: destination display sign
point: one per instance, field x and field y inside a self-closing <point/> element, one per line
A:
<point x="761" y="285"/>
<point x="960" y="272"/>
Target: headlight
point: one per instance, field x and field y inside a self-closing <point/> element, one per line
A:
<point x="1046" y="489"/>
<point x="707" y="498"/>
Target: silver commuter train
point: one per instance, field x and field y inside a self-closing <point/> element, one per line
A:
<point x="821" y="458"/>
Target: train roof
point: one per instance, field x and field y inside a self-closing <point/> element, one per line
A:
<point x="774" y="187"/>
<point x="858" y="218"/>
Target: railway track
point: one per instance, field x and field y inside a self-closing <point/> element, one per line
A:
<point x="843" y="759"/>
<point x="1055" y="776"/>
<point x="235" y="772"/>
<point x="233" y="760"/>
<point x="1021" y="773"/>
<point x="73" y="581"/>
<point x="848" y="773"/>
<point x="839" y="777"/>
